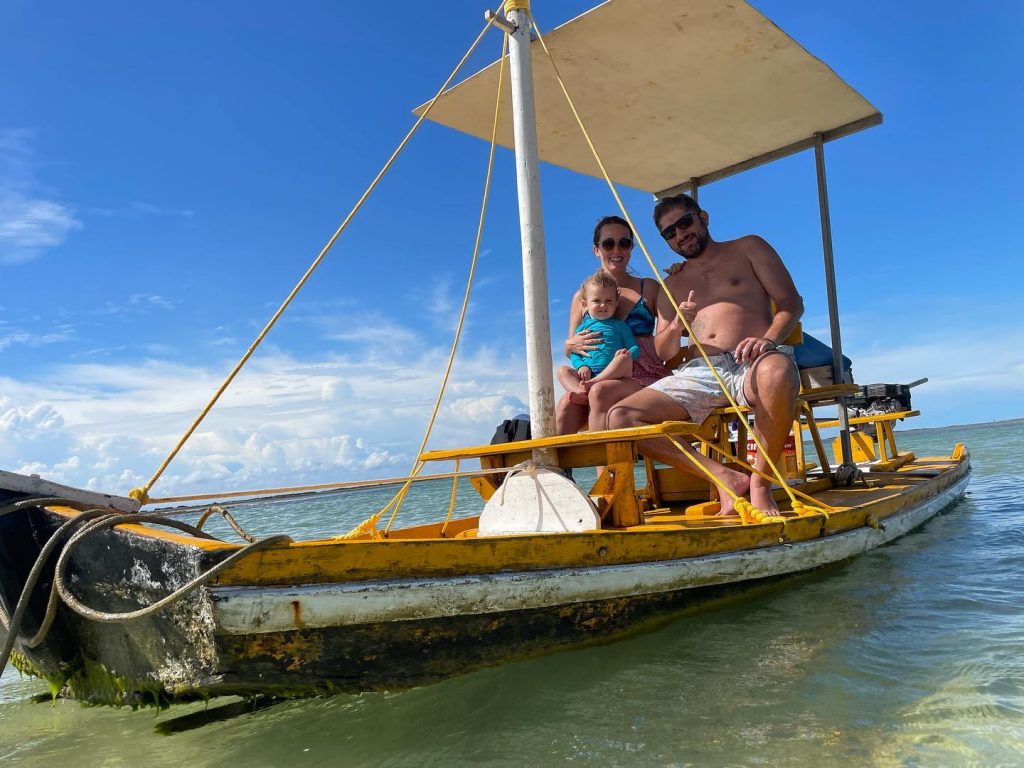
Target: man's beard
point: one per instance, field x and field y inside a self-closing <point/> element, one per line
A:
<point x="702" y="239"/>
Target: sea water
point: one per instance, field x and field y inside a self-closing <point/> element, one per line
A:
<point x="911" y="654"/>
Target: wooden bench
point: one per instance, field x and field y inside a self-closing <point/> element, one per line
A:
<point x="614" y="449"/>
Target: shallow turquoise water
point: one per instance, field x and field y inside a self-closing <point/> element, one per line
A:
<point x="912" y="654"/>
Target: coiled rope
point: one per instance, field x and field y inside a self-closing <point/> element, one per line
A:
<point x="90" y="521"/>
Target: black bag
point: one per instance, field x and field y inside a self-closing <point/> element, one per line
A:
<point x="512" y="430"/>
<point x="509" y="431"/>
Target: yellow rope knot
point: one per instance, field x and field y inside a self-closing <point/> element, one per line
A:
<point x="750" y="514"/>
<point x="806" y="510"/>
<point x="764" y="517"/>
<point x="140" y="495"/>
<point x="516" y="5"/>
<point x="368" y="526"/>
<point x="746" y="511"/>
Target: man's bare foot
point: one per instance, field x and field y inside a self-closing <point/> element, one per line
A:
<point x="739" y="484"/>
<point x="762" y="498"/>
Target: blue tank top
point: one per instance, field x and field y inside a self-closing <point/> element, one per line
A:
<point x="640" y="318"/>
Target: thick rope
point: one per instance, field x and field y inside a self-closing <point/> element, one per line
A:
<point x="650" y="261"/>
<point x="142" y="493"/>
<point x="368" y="526"/>
<point x="15" y="619"/>
<point x="216" y="509"/>
<point x="81" y="609"/>
<point x="396" y="502"/>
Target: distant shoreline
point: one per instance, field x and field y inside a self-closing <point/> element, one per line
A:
<point x="1000" y="423"/>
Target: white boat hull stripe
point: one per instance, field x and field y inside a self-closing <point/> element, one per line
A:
<point x="248" y="610"/>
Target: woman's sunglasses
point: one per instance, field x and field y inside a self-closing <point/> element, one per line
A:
<point x="683" y="222"/>
<point x="609" y="243"/>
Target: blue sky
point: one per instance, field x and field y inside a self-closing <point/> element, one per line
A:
<point x="167" y="171"/>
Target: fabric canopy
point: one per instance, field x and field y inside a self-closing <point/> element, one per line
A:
<point x="670" y="90"/>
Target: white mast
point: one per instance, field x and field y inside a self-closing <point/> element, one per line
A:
<point x="531" y="228"/>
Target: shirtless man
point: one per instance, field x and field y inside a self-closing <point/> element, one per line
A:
<point x="728" y="288"/>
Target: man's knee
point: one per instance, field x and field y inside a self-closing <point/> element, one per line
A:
<point x="775" y="378"/>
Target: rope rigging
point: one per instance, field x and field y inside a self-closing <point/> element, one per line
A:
<point x="396" y="502"/>
<point x="394" y="506"/>
<point x="142" y="492"/>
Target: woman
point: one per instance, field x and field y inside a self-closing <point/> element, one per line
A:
<point x="638" y="297"/>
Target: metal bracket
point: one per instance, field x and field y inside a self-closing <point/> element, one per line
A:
<point x="847" y="474"/>
<point x="500" y="21"/>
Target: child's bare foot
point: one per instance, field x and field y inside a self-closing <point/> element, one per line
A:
<point x="578" y="398"/>
<point x="570" y="380"/>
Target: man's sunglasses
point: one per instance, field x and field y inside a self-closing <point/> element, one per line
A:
<point x="683" y="222"/>
<point x="609" y="242"/>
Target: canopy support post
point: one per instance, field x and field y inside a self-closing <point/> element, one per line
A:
<point x="847" y="470"/>
<point x="693" y="189"/>
<point x="531" y="228"/>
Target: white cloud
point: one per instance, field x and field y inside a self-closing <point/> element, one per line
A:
<point x="140" y="209"/>
<point x="10" y="337"/>
<point x="151" y="300"/>
<point x="137" y="303"/>
<point x="29" y="224"/>
<point x="974" y="374"/>
<point x="283" y="422"/>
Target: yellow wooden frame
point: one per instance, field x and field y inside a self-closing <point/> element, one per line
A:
<point x="889" y="457"/>
<point x="613" y="449"/>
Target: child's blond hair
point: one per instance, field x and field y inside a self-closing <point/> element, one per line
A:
<point x="600" y="279"/>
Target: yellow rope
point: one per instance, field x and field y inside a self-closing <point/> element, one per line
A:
<point x="748" y="512"/>
<point x="368" y="526"/>
<point x="142" y="493"/>
<point x="516" y="5"/>
<point x="804" y="509"/>
<point x="650" y="261"/>
<point x="396" y="502"/>
<point x="451" y="504"/>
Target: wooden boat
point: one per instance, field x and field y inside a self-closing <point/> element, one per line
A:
<point x="289" y="618"/>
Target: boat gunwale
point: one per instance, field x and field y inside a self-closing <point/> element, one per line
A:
<point x="332" y="560"/>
